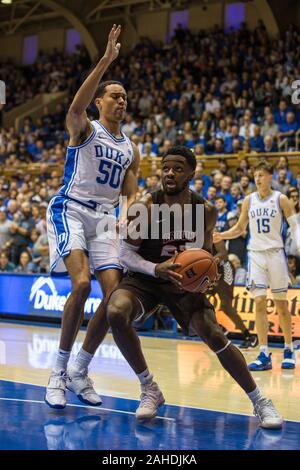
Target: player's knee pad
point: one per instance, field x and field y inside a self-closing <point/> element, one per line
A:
<point x="279" y="295"/>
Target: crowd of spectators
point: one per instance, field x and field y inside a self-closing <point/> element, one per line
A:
<point x="51" y="72"/>
<point x="216" y="93"/>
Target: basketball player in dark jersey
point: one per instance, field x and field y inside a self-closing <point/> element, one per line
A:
<point x="152" y="279"/>
<point x="224" y="289"/>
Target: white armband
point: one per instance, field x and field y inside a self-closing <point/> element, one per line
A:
<point x="134" y="261"/>
<point x="294" y="223"/>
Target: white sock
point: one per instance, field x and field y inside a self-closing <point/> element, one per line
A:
<point x="264" y="349"/>
<point x="82" y="360"/>
<point x="289" y="346"/>
<point x="145" y="377"/>
<point x="255" y="395"/>
<point x="62" y="359"/>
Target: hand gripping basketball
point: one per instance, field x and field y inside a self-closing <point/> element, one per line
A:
<point x="199" y="270"/>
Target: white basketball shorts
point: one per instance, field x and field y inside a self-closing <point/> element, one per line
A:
<point x="70" y="226"/>
<point x="267" y="269"/>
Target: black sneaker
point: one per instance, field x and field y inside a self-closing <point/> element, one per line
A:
<point x="250" y="342"/>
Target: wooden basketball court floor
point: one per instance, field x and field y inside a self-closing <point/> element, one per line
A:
<point x="205" y="408"/>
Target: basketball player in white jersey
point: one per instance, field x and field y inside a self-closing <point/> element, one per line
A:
<point x="101" y="165"/>
<point x="267" y="266"/>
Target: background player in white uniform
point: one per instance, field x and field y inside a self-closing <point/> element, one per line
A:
<point x="101" y="164"/>
<point x="267" y="265"/>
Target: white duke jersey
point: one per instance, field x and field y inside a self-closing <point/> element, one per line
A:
<point x="94" y="171"/>
<point x="265" y="222"/>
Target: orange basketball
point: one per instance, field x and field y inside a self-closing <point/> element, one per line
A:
<point x="197" y="267"/>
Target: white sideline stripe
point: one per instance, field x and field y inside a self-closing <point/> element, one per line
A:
<point x="170" y="404"/>
<point x="81" y="406"/>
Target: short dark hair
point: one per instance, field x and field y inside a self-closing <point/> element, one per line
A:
<point x="264" y="166"/>
<point x="221" y="197"/>
<point x="292" y="189"/>
<point x="182" y="151"/>
<point x="102" y="87"/>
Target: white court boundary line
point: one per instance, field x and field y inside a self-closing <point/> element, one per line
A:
<point x="130" y="412"/>
<point x="95" y="408"/>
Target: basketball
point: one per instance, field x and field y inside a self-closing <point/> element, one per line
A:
<point x="197" y="268"/>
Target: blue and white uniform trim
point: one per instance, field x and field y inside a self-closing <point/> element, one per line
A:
<point x="86" y="142"/>
<point x="109" y="266"/>
<point x="58" y="211"/>
<point x="116" y="139"/>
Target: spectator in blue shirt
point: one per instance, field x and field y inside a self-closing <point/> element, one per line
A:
<point x="221" y="224"/>
<point x="225" y="191"/>
<point x="280" y="114"/>
<point x="281" y="183"/>
<point x="221" y="132"/>
<point x="217" y="180"/>
<point x="236" y="193"/>
<point x="218" y="147"/>
<point x="198" y="186"/>
<point x="211" y="194"/>
<point x="289" y="128"/>
<point x="257" y="141"/>
<point x="283" y="164"/>
<point x="228" y="144"/>
<point x="205" y="178"/>
<point x="141" y="180"/>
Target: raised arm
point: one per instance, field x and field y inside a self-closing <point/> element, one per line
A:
<point x="291" y="217"/>
<point x="238" y="229"/>
<point x="78" y="125"/>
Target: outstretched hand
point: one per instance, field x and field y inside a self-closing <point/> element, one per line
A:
<point x="113" y="47"/>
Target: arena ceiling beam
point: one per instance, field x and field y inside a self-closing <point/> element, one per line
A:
<point x="21" y="12"/>
<point x="44" y="9"/>
<point x="114" y="8"/>
<point x="23" y="19"/>
<point x="87" y="38"/>
<point x="95" y="13"/>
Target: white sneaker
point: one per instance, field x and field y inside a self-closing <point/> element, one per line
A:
<point x="151" y="399"/>
<point x="56" y="390"/>
<point x="79" y="383"/>
<point x="267" y="414"/>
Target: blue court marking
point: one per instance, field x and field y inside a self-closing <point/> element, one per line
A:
<point x="27" y="423"/>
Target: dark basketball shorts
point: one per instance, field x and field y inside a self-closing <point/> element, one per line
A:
<point x="152" y="293"/>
